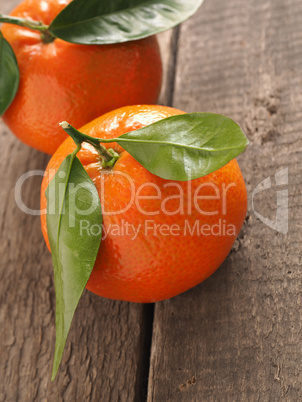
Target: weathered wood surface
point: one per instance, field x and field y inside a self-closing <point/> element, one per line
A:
<point x="238" y="336"/>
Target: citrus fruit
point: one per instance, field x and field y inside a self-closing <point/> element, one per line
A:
<point x="160" y="237"/>
<point x="61" y="80"/>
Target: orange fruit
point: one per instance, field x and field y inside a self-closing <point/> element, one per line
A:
<point x="63" y="81"/>
<point x="173" y="240"/>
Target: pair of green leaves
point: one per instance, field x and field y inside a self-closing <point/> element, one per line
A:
<point x="95" y="22"/>
<point x="182" y="147"/>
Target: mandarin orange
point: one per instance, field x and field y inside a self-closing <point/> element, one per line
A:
<point x="60" y="80"/>
<point x="160" y="237"/>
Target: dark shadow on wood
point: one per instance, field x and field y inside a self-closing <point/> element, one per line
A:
<point x="142" y="376"/>
<point x="173" y="64"/>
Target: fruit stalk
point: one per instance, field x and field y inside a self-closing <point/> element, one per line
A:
<point x="47" y="37"/>
<point x="109" y="156"/>
<point x="31" y="24"/>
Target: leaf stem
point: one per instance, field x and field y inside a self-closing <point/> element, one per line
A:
<point x="109" y="156"/>
<point x="47" y="37"/>
<point x="31" y="24"/>
<point x="74" y="153"/>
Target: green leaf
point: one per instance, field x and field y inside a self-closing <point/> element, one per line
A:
<point x="102" y="22"/>
<point x="73" y="206"/>
<point x="186" y="146"/>
<point x="9" y="74"/>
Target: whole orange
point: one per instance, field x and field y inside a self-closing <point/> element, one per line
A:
<point x="63" y="81"/>
<point x="178" y="232"/>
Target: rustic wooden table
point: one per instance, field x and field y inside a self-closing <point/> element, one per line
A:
<point x="238" y="335"/>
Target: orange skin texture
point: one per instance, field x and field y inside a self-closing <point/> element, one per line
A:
<point x="155" y="266"/>
<point x="63" y="81"/>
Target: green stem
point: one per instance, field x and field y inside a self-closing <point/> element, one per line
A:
<point x="36" y="25"/>
<point x="74" y="153"/>
<point x="109" y="156"/>
<point x="47" y="37"/>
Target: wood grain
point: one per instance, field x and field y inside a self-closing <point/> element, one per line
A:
<point x="238" y="336"/>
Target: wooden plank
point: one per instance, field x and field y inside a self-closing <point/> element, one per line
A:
<point x="238" y="336"/>
<point x="107" y="353"/>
